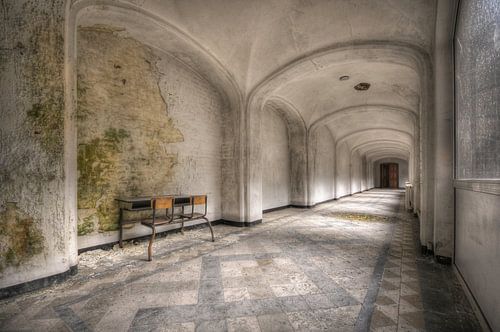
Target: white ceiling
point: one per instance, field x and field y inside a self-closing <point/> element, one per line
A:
<point x="255" y="40"/>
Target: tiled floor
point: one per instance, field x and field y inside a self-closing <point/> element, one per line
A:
<point x="348" y="265"/>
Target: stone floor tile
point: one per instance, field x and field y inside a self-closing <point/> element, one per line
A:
<point x="243" y="324"/>
<point x="236" y="294"/>
<point x="305" y="321"/>
<point x="212" y="326"/>
<point x="293" y="303"/>
<point x="318" y="301"/>
<point x="410" y="303"/>
<point x="385" y="300"/>
<point x="284" y="290"/>
<point x="338" y="319"/>
<point x="267" y="306"/>
<point x="240" y="309"/>
<point x="379" y="319"/>
<point x="274" y="323"/>
<point x="261" y="292"/>
<point x="413" y="321"/>
<point x="391" y="311"/>
<point x="392" y="328"/>
<point x="182" y="327"/>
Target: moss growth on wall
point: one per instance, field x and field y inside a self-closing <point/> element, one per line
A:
<point x="123" y="126"/>
<point x="46" y="120"/>
<point x="96" y="163"/>
<point x="20" y="238"/>
<point x="43" y="76"/>
<point x="86" y="227"/>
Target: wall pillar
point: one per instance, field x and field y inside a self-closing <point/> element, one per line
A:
<point x="443" y="130"/>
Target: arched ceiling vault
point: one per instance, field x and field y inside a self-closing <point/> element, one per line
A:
<point x="388" y="155"/>
<point x="395" y="151"/>
<point x="368" y="135"/>
<point x="365" y="147"/>
<point x="254" y="38"/>
<point x="319" y="92"/>
<point x="291" y="54"/>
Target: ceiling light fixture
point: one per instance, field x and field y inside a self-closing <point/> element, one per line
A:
<point x="362" y="86"/>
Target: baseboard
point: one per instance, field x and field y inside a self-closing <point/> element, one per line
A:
<point x="325" y="201"/>
<point x="425" y="251"/>
<point x="472" y="300"/>
<point x="241" y="223"/>
<point x="276" y="208"/>
<point x="443" y="260"/>
<point x="36" y="284"/>
<point x="297" y="206"/>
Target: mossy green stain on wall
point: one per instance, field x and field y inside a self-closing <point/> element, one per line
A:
<point x="86" y="227"/>
<point x="20" y="238"/>
<point x="123" y="126"/>
<point x="47" y="123"/>
<point x="43" y="75"/>
<point x="96" y="161"/>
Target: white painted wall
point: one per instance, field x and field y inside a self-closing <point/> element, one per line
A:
<point x="324" y="166"/>
<point x="356" y="172"/>
<point x="275" y="161"/>
<point x="478" y="248"/>
<point x="342" y="176"/>
<point x="477" y="202"/>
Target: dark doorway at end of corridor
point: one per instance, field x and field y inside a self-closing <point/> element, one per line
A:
<point x="389" y="175"/>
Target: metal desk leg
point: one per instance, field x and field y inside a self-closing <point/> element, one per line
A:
<point x="121" y="228"/>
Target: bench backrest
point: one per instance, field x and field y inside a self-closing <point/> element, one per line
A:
<point x="199" y="199"/>
<point x="162" y="203"/>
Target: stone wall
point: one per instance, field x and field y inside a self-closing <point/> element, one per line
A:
<point x="34" y="233"/>
<point x="147" y="125"/>
<point x="275" y="161"/>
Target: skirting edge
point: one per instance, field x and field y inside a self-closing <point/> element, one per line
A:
<point x="36" y="284"/>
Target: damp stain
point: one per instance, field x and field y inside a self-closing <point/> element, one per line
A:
<point x="124" y="130"/>
<point x="20" y="237"/>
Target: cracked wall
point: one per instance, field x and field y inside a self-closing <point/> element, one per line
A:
<point x="147" y="125"/>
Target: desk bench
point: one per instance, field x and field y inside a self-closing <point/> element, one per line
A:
<point x="157" y="205"/>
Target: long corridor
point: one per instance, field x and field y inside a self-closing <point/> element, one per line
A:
<point x="347" y="265"/>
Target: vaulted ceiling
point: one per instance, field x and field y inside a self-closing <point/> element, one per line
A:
<point x="297" y="51"/>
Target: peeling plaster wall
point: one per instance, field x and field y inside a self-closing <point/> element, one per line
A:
<point x="324" y="166"/>
<point x="477" y="122"/>
<point x="342" y="176"/>
<point x="35" y="236"/>
<point x="275" y="161"/>
<point x="147" y="125"/>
